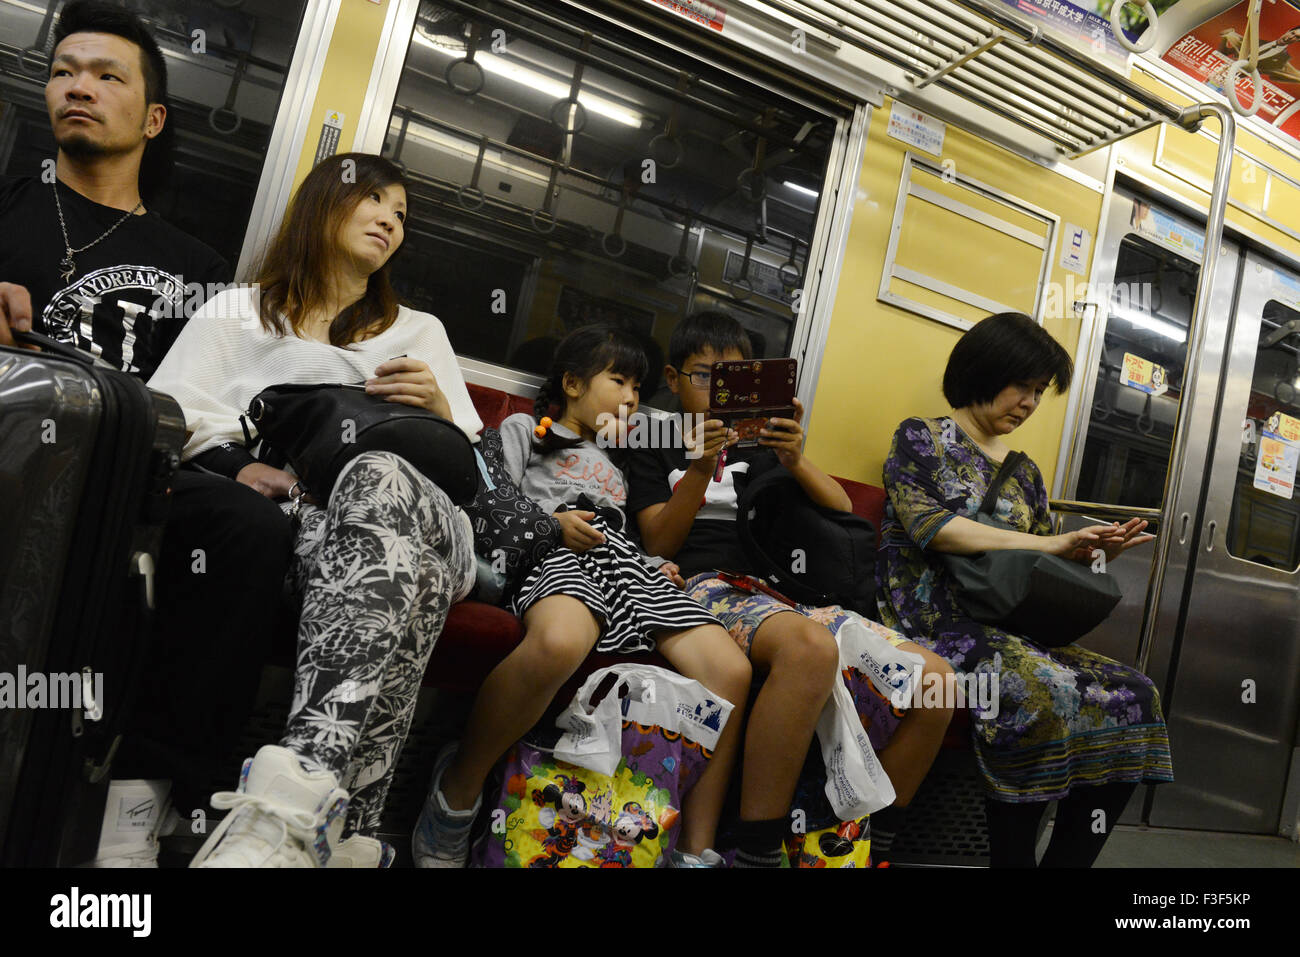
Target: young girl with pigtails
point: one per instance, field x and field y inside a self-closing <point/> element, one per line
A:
<point x="597" y="591"/>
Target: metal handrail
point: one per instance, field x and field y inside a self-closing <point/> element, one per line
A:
<point x="1191" y="118"/>
<point x="1103" y="511"/>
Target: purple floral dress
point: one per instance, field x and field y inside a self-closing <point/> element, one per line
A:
<point x="1063" y="716"/>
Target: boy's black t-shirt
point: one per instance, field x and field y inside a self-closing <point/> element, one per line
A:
<point x="126" y="301"/>
<point x="713" y="543"/>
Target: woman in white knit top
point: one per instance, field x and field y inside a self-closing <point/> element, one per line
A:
<point x="379" y="567"/>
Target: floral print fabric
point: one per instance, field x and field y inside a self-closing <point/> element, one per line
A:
<point x="1065" y="716"/>
<point x="378" y="569"/>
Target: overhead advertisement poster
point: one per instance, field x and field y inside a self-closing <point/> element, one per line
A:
<point x="1208" y="52"/>
<point x="1086" y="23"/>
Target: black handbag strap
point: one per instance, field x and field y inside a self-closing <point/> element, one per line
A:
<point x="1009" y="466"/>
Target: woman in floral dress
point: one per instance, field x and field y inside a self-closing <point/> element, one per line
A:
<point x="1070" y="725"/>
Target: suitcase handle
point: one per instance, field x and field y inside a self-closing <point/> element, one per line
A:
<point x="52" y="346"/>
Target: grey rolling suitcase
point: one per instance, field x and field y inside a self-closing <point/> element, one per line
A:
<point x="86" y="460"/>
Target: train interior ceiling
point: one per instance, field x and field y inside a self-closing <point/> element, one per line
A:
<point x="856" y="183"/>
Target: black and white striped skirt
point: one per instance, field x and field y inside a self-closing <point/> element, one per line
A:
<point x="631" y="600"/>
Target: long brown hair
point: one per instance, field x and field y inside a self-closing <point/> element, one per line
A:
<point x="293" y="272"/>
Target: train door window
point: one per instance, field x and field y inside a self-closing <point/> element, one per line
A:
<point x="566" y="170"/>
<point x="1141" y="366"/>
<point x="227" y="66"/>
<point x="1265" y="521"/>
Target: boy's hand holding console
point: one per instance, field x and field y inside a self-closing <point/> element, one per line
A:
<point x="752" y="403"/>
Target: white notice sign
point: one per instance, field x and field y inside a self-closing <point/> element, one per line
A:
<point x="1075" y="243"/>
<point x="916" y="128"/>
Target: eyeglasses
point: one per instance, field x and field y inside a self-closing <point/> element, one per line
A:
<point x="698" y="379"/>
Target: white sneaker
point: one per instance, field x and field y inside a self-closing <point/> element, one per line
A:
<point x="359" y="851"/>
<point x="441" y="836"/>
<point x="281" y="816"/>
<point x="133" y="815"/>
<point x="709" y="858"/>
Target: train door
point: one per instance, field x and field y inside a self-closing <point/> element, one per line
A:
<point x="1135" y="376"/>
<point x="1232" y="697"/>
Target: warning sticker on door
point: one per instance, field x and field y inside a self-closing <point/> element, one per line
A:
<point x="1144" y="375"/>
<point x="1075" y="242"/>
<point x="328" y="144"/>
<point x="1279" y="453"/>
<point x="916" y="128"/>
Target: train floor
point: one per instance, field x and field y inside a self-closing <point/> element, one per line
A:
<point x="943" y="827"/>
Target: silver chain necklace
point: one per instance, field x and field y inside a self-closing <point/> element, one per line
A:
<point x="67" y="267"/>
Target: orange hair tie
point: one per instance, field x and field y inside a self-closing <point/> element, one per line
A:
<point x="540" y="430"/>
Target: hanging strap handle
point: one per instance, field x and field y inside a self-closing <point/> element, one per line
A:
<point x="1009" y="466"/>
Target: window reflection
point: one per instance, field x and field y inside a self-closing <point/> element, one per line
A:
<point x="1265" y="524"/>
<point x="1139" y="376"/>
<point x="225" y="90"/>
<point x="564" y="178"/>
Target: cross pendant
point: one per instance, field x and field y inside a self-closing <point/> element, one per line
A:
<point x="67" y="267"/>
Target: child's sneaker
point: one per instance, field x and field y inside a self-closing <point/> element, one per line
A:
<point x="132" y="817"/>
<point x="710" y="858"/>
<point x="360" y="851"/>
<point x="281" y="816"/>
<point x="441" y="837"/>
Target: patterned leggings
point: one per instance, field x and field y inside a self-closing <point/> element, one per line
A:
<point x="378" y="570"/>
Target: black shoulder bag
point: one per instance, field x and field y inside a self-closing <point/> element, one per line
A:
<point x="818" y="556"/>
<point x="512" y="533"/>
<point x="1049" y="600"/>
<point x="319" y="429"/>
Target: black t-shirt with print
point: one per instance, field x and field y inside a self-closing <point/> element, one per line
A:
<point x="127" y="300"/>
<point x="713" y="542"/>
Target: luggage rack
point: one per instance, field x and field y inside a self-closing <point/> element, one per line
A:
<point x="982" y="51"/>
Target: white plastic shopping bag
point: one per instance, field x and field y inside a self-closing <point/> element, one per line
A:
<point x="892" y="670"/>
<point x="593" y="736"/>
<point x="856" y="784"/>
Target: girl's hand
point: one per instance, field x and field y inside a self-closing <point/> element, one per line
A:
<point x="578" y="535"/>
<point x="410" y="382"/>
<point x="673" y="573"/>
<point x="272" y="482"/>
<point x="785" y="437"/>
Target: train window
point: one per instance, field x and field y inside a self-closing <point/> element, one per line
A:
<point x="1139" y="376"/>
<point x="227" y="66"/>
<point x="568" y="171"/>
<point x="1265" y="522"/>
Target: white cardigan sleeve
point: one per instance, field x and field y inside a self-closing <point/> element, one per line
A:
<point x="202" y="372"/>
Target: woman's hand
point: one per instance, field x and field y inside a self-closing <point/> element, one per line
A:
<point x="410" y="382"/>
<point x="673" y="573"/>
<point x="272" y="482"/>
<point x="577" y="534"/>
<point x="785" y="437"/>
<point x="1114" y="540"/>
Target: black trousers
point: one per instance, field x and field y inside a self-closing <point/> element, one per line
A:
<point x="224" y="556"/>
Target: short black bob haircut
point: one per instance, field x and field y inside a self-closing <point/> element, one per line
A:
<point x="1002" y="349"/>
<point x="709" y="329"/>
<point x="91" y="16"/>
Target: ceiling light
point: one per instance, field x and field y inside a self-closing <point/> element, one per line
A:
<point x="499" y="66"/>
<point x="1143" y="321"/>
<point x="801" y="189"/>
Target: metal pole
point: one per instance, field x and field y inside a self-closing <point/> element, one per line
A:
<point x="1190" y="118"/>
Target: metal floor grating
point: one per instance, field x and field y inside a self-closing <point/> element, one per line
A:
<point x="944" y="825"/>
